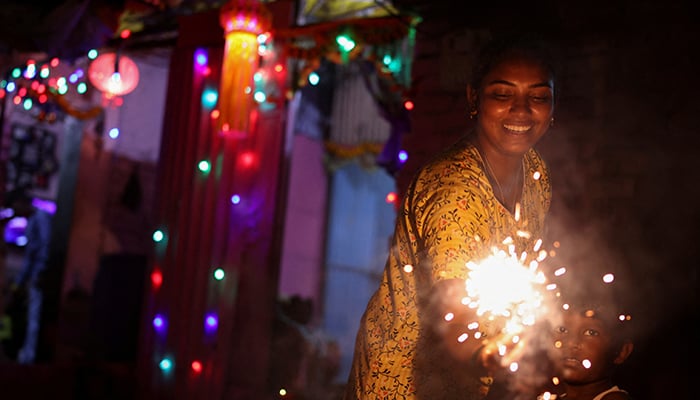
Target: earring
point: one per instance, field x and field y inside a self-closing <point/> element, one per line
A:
<point x="472" y="113"/>
<point x="551" y="123"/>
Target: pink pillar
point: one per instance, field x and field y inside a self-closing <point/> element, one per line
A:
<point x="204" y="230"/>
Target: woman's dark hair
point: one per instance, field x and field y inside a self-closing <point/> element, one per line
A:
<point x="507" y="44"/>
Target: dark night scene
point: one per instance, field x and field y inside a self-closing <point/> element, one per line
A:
<point x="349" y="200"/>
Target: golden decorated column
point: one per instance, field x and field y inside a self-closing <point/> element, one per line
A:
<point x="243" y="21"/>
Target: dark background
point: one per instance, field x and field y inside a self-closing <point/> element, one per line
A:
<point x="622" y="155"/>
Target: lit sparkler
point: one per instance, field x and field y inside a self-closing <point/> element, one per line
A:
<point x="508" y="292"/>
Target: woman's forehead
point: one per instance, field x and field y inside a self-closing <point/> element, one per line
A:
<point x="521" y="66"/>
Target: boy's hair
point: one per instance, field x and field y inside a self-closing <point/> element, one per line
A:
<point x="593" y="295"/>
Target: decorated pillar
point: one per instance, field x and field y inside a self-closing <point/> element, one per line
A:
<point x="243" y="21"/>
<point x="206" y="323"/>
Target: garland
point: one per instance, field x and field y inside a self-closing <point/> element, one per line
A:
<point x="64" y="105"/>
<point x="345" y="151"/>
<point x="75" y="112"/>
<point x="310" y="43"/>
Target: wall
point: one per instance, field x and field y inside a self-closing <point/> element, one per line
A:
<point x="104" y="221"/>
<point x="112" y="215"/>
<point x="304" y="225"/>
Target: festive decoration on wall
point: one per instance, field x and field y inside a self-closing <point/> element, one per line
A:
<point x="166" y="364"/>
<point x="326" y="10"/>
<point x="113" y="74"/>
<point x="344" y="152"/>
<point x="229" y="98"/>
<point x="243" y="21"/>
<point x="382" y="48"/>
<point x="196" y="366"/>
<point x="32" y="159"/>
<point x="385" y="41"/>
<point x="68" y="108"/>
<point x="46" y="88"/>
<point x="156" y="278"/>
<point x="159" y="323"/>
<point x="158" y="236"/>
<point x="259" y="73"/>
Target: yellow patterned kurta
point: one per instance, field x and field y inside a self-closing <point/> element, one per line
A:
<point x="447" y="206"/>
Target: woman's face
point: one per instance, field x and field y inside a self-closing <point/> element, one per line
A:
<point x="515" y="104"/>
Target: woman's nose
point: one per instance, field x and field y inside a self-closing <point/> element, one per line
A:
<point x="521" y="104"/>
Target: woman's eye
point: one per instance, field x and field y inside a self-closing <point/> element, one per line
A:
<point x="540" y="99"/>
<point x="501" y="96"/>
<point x="591" y="332"/>
<point x="561" y="329"/>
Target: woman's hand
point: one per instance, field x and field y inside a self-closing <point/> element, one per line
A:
<point x="456" y="325"/>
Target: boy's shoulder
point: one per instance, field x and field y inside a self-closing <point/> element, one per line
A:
<point x="617" y="395"/>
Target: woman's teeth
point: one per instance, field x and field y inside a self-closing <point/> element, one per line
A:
<point x="517" y="128"/>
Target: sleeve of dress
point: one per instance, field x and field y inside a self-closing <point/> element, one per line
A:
<point x="453" y="219"/>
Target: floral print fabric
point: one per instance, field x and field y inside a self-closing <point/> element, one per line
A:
<point x="449" y="216"/>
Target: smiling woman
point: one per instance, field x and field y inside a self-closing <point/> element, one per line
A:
<point x="512" y="94"/>
<point x="489" y="187"/>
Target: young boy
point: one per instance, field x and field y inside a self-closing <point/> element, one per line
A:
<point x="590" y="341"/>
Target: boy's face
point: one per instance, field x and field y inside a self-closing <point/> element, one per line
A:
<point x="584" y="348"/>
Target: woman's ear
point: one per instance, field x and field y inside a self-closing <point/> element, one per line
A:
<point x="624" y="352"/>
<point x="472" y="98"/>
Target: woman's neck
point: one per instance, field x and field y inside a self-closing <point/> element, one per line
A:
<point x="504" y="171"/>
<point x="504" y="165"/>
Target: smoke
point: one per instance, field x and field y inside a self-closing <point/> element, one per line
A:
<point x="597" y="276"/>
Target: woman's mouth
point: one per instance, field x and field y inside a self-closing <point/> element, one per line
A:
<point x="517" y="128"/>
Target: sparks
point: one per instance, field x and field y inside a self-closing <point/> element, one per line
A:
<point x="503" y="287"/>
<point x="508" y="293"/>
